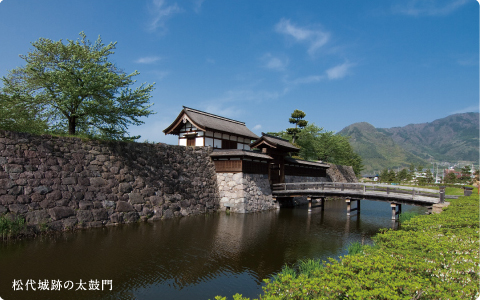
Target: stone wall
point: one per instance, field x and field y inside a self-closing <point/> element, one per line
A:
<point x="339" y="173"/>
<point x="61" y="183"/>
<point x="244" y="193"/>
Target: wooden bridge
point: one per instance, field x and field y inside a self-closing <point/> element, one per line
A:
<point x="354" y="192"/>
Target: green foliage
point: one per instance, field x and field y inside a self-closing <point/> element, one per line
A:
<point x="429" y="176"/>
<point x="9" y="227"/>
<point x="21" y="116"/>
<point x="451" y="178"/>
<point x="407" y="215"/>
<point x="430" y="257"/>
<point x="402" y="175"/>
<point x="466" y="174"/>
<point x="74" y="88"/>
<point x="355" y="248"/>
<point x="317" y="144"/>
<point x="388" y="176"/>
<point x="297" y="119"/>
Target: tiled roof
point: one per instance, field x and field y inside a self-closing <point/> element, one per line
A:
<point x="305" y="162"/>
<point x="275" y="142"/>
<point x="206" y="121"/>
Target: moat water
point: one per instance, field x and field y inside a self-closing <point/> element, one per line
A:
<point x="188" y="258"/>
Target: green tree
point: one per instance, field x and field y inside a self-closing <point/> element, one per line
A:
<point x="297" y="119"/>
<point x="21" y="116"/>
<point x="384" y="177"/>
<point x="429" y="176"/>
<point x="77" y="89"/>
<point x="317" y="144"/>
<point x="466" y="174"/>
<point x="402" y="175"/>
<point x="392" y="177"/>
<point x="451" y="178"/>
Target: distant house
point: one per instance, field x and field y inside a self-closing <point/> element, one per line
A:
<point x="447" y="171"/>
<point x="198" y="128"/>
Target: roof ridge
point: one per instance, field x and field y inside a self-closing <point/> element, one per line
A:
<point x="275" y="137"/>
<point x="214" y="116"/>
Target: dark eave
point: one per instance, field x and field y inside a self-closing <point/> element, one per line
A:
<point x="217" y="153"/>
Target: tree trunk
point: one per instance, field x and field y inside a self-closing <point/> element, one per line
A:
<point x="71" y="125"/>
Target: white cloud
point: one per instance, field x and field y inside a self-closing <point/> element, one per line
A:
<point x="197" y="5"/>
<point x="147" y="60"/>
<point x="308" y="79"/>
<point x="257" y="127"/>
<point x="428" y="7"/>
<point x="339" y="71"/>
<point x="473" y="108"/>
<point x="274" y="63"/>
<point x="315" y="38"/>
<point x="161" y="12"/>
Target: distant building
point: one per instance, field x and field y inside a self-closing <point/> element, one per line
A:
<point x="448" y="171"/>
<point x="372" y="177"/>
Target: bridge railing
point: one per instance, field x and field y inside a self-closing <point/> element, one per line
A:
<point x="359" y="187"/>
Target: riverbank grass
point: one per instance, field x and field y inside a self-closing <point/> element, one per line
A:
<point x="430" y="257"/>
<point x="11" y="227"/>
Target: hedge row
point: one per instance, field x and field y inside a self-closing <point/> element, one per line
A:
<point x="431" y="257"/>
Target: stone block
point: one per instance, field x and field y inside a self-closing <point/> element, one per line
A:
<point x="7" y="199"/>
<point x="69" y="223"/>
<point x="131" y="217"/>
<point x="58" y="213"/>
<point x="47" y="204"/>
<point x="123" y="206"/>
<point x="97" y="181"/>
<point x="84" y="216"/>
<point x="116" y="218"/>
<point x="6" y="183"/>
<point x="108" y="204"/>
<point x="125" y="187"/>
<point x="18" y="208"/>
<point x="42" y="190"/>
<point x="168" y="214"/>
<point x="69" y="181"/>
<point x="13" y="168"/>
<point x="85" y="205"/>
<point x="37" y="217"/>
<point x="156" y="200"/>
<point x="54" y="196"/>
<point x="136" y="198"/>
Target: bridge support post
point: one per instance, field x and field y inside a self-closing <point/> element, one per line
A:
<point x="442" y="194"/>
<point x="349" y="206"/>
<point x="309" y="204"/>
<point x="322" y="203"/>
<point x="395" y="212"/>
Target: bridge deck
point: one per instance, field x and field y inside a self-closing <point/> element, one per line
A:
<point x="397" y="194"/>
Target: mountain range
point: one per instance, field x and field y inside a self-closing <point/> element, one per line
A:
<point x="451" y="139"/>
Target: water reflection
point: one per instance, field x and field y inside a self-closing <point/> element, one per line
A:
<point x="188" y="258"/>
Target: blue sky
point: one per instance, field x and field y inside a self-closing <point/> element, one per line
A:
<point x="389" y="63"/>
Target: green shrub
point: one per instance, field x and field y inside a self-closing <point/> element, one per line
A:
<point x="9" y="228"/>
<point x="355" y="248"/>
<point x="405" y="216"/>
<point x="430" y="257"/>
